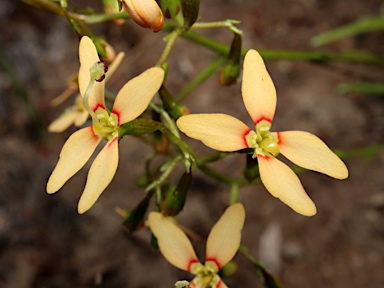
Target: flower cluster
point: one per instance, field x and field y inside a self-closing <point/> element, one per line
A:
<point x="218" y="131"/>
<point x="130" y="102"/>
<point x="226" y="133"/>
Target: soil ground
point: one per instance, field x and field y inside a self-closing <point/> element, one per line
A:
<point x="45" y="243"/>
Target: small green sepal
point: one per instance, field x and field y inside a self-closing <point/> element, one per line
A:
<point x="231" y="71"/>
<point x="175" y="201"/>
<point x="135" y="217"/>
<point x="190" y="12"/>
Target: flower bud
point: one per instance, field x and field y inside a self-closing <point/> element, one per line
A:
<point x="229" y="270"/>
<point x="145" y="13"/>
<point x="231" y="71"/>
<point x="104" y="49"/>
<point x="190" y="12"/>
<point x="134" y="219"/>
<point x="170" y="105"/>
<point x="174" y="202"/>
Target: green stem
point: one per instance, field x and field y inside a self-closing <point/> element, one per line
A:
<point x="200" y="78"/>
<point x="212" y="157"/>
<point x="171" y="41"/>
<point x="99" y="18"/>
<point x="86" y="101"/>
<point x="269" y="279"/>
<point x="364" y="25"/>
<point x="170" y="166"/>
<point x="368" y="152"/>
<point x="221" y="177"/>
<point x="230" y="24"/>
<point x="315" y="56"/>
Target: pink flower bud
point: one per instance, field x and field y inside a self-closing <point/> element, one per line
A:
<point x="145" y="13"/>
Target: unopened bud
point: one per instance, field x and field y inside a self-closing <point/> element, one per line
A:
<point x="231" y="71"/>
<point x="229" y="269"/>
<point x="104" y="49"/>
<point x="170" y="105"/>
<point x="98" y="71"/>
<point x="145" y="13"/>
<point x="134" y="219"/>
<point x="228" y="74"/>
<point x="190" y="12"/>
<point x="174" y="202"/>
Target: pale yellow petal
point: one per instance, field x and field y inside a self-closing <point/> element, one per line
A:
<point x="135" y="96"/>
<point x="88" y="56"/>
<point x="100" y="175"/>
<point x="310" y="152"/>
<point x="173" y="243"/>
<point x="218" y="131"/>
<point x="64" y="96"/>
<point x="81" y="118"/>
<point x="225" y="236"/>
<point x="114" y="65"/>
<point x="284" y="184"/>
<point x="74" y="154"/>
<point x="63" y="122"/>
<point x="259" y="93"/>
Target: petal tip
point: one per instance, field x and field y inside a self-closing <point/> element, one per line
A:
<point x="83" y="207"/>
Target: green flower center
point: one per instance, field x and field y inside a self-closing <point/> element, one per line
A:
<point x="263" y="141"/>
<point x="206" y="275"/>
<point x="106" y="124"/>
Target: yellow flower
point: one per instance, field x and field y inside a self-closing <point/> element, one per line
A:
<point x="222" y="244"/>
<point x="226" y="133"/>
<point x="145" y="13"/>
<point x="130" y="102"/>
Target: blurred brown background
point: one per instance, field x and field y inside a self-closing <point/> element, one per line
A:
<point x="45" y="243"/>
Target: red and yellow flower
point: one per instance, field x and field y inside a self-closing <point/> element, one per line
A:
<point x="222" y="245"/>
<point x="130" y="102"/>
<point x="226" y="133"/>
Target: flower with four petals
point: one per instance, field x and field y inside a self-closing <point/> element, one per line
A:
<point x="130" y="102"/>
<point x="226" y="133"/>
<point x="222" y="244"/>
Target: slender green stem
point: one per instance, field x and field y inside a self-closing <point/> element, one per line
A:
<point x="361" y="87"/>
<point x="230" y="24"/>
<point x="200" y="78"/>
<point x="315" y="56"/>
<point x="368" y="152"/>
<point x="363" y="25"/>
<point x="234" y="194"/>
<point x="269" y="279"/>
<point x="171" y="41"/>
<point x="99" y="18"/>
<point x="211" y="157"/>
<point x="168" y="121"/>
<point x="169" y="167"/>
<point x="86" y="101"/>
<point x="221" y="177"/>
